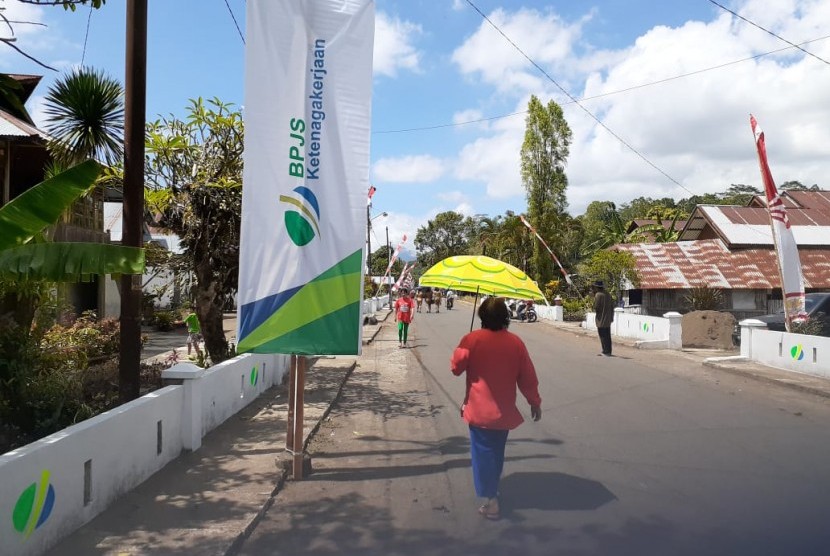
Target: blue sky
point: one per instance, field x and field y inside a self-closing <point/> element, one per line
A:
<point x="439" y="63"/>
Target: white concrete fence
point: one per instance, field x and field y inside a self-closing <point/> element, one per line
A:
<point x="650" y="332"/>
<point x="792" y="352"/>
<point x="375" y="304"/>
<point x="51" y="487"/>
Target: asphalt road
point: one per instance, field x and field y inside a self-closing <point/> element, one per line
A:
<point x="648" y="453"/>
<point x="644" y="453"/>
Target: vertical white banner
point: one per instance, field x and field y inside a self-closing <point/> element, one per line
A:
<point x="308" y="90"/>
<point x="786" y="250"/>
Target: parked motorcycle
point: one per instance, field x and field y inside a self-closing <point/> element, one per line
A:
<point x="522" y="310"/>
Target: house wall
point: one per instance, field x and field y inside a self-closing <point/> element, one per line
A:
<point x="742" y="304"/>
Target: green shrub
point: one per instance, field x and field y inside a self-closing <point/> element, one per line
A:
<point x="574" y="309"/>
<point x="704" y="298"/>
<point x="810" y="327"/>
<point x="164" y="320"/>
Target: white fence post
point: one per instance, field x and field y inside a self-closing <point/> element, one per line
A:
<point x="558" y="309"/>
<point x="747" y="325"/>
<point x="615" y="326"/>
<point x="675" y="329"/>
<point x="190" y="376"/>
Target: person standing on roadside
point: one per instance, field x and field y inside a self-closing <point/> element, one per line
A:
<point x="496" y="362"/>
<point x="194" y="333"/>
<point x="604" y="309"/>
<point x="404" y="313"/>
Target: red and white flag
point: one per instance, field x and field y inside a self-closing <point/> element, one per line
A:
<point x="789" y="265"/>
<point x="395" y="256"/>
<point x="392" y="260"/>
<point x="372" y="190"/>
<point x="400" y="283"/>
<point x="561" y="268"/>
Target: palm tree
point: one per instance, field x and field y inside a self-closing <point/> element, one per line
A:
<point x="85" y="118"/>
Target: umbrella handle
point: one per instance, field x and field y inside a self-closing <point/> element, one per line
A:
<point x="475" y="302"/>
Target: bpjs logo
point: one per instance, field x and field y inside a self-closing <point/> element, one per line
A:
<point x="302" y="215"/>
<point x="34" y="506"/>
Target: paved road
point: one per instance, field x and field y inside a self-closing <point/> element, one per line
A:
<point x="645" y="453"/>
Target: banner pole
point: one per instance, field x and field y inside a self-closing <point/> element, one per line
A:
<point x="299" y="401"/>
<point x="292" y="381"/>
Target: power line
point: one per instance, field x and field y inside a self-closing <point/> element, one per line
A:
<point x="601" y="95"/>
<point x="575" y="101"/>
<point x="86" y="36"/>
<point x="779" y="37"/>
<point x="233" y="17"/>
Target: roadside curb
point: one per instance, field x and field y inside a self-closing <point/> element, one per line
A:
<point x="792" y="380"/>
<point x="747" y="369"/>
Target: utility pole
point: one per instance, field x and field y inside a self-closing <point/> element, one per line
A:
<point x="368" y="242"/>
<point x="389" y="263"/>
<point x="135" y="102"/>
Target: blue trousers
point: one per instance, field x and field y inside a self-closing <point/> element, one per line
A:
<point x="487" y="454"/>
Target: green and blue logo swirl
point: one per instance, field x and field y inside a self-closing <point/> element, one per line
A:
<point x="797" y="352"/>
<point x="302" y="216"/>
<point x="34" y="505"/>
<point x="254" y="376"/>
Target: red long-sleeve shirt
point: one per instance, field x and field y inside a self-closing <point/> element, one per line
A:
<point x="496" y="363"/>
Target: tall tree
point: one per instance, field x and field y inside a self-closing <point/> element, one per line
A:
<point x="544" y="155"/>
<point x="194" y="176"/>
<point x="448" y="234"/>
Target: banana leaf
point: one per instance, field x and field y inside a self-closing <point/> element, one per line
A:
<point x="41" y="206"/>
<point x="69" y="262"/>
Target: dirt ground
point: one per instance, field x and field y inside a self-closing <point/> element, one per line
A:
<point x="708" y="329"/>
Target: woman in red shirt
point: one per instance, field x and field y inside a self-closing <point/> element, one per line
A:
<point x="404" y="309"/>
<point x="496" y="362"/>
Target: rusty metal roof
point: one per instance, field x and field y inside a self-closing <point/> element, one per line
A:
<point x="11" y="126"/>
<point x="808" y="212"/>
<point x="708" y="262"/>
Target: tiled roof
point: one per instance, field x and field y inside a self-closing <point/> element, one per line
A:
<point x="709" y="262"/>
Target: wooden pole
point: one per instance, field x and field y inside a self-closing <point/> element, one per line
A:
<point x="292" y="381"/>
<point x="297" y="450"/>
<point x="135" y="95"/>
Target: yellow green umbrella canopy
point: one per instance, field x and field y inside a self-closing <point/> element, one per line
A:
<point x="476" y="273"/>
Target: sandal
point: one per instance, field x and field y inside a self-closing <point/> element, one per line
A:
<point x="490" y="510"/>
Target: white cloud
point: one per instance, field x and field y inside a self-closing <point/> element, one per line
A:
<point x="465" y="209"/>
<point x="695" y="128"/>
<point x="408" y="169"/>
<point x="452" y="196"/>
<point x="544" y="37"/>
<point x="393" y="45"/>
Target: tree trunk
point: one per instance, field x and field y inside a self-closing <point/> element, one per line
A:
<point x="20" y="307"/>
<point x="209" y="311"/>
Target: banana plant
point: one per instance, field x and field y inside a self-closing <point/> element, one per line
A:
<point x="23" y="256"/>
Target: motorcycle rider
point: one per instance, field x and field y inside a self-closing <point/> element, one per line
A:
<point x="521" y="308"/>
<point x="450" y="298"/>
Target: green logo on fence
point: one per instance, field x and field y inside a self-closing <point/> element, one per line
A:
<point x="254" y="376"/>
<point x="797" y="351"/>
<point x="300" y="222"/>
<point x="34" y="505"/>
